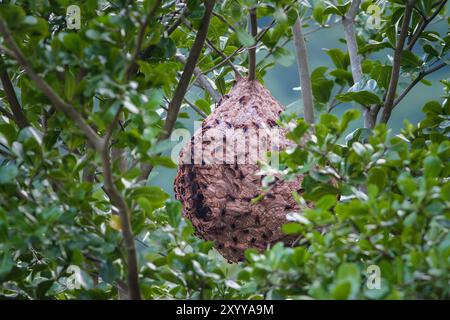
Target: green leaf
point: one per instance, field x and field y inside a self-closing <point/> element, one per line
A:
<point x="164" y="162"/>
<point x="378" y="177"/>
<point x="245" y="38"/>
<point x="349" y="116"/>
<point x="348" y="280"/>
<point x="155" y="195"/>
<point x="8" y="174"/>
<point x="432" y="166"/>
<point x="292" y="228"/>
<point x="6" y="264"/>
<point x="321" y="86"/>
<point x="406" y="184"/>
<point x="409" y="59"/>
<point x="339" y="58"/>
<point x="283" y="56"/>
<point x="364" y="98"/>
<point x="203" y="105"/>
<point x="72" y="42"/>
<point x="326" y="202"/>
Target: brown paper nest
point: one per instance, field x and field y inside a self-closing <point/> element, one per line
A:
<point x="221" y="199"/>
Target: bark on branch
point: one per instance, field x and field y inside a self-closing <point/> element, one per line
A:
<point x="183" y="84"/>
<point x="355" y="59"/>
<point x="419" y="78"/>
<point x="303" y="70"/>
<point x="395" y="74"/>
<point x="252" y="50"/>
<point x="424" y="23"/>
<point x="202" y="80"/>
<point x="140" y="38"/>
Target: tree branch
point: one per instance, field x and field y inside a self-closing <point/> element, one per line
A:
<point x="202" y="80"/>
<point x="213" y="47"/>
<point x="424" y="23"/>
<point x="252" y="50"/>
<point x="419" y="78"/>
<point x="195" y="108"/>
<point x="222" y="18"/>
<point x="17" y="112"/>
<point x="355" y="59"/>
<point x="180" y="91"/>
<point x="132" y="66"/>
<point x="179" y="20"/>
<point x="395" y="74"/>
<point x="124" y="213"/>
<point x="303" y="70"/>
<point x="350" y="36"/>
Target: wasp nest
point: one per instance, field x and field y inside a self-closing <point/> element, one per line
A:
<point x="218" y="178"/>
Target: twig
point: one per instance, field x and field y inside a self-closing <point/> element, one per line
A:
<point x="222" y="18"/>
<point x="6" y="113"/>
<point x="334" y="103"/>
<point x="303" y="70"/>
<point x="213" y="47"/>
<point x="179" y="20"/>
<point x="252" y="51"/>
<point x="424" y="23"/>
<point x="124" y="214"/>
<point x="395" y="73"/>
<point x="180" y="91"/>
<point x="221" y="63"/>
<point x="419" y="78"/>
<point x="195" y="108"/>
<point x="240" y="49"/>
<point x="202" y="80"/>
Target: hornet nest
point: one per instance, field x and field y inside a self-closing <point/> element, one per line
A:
<point x="218" y="178"/>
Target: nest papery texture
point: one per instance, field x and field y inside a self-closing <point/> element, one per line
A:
<point x="216" y="180"/>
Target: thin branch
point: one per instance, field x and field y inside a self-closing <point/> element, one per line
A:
<point x="195" y="108"/>
<point x="194" y="54"/>
<point x="213" y="47"/>
<point x="183" y="84"/>
<point x="334" y="103"/>
<point x="240" y="49"/>
<point x="395" y="74"/>
<point x="179" y="20"/>
<point x="222" y="18"/>
<point x="355" y="59"/>
<point x="124" y="213"/>
<point x="17" y="112"/>
<point x="202" y="80"/>
<point x="6" y="113"/>
<point x="303" y="70"/>
<point x="252" y="51"/>
<point x="419" y="78"/>
<point x="424" y="23"/>
<point x="226" y="60"/>
<point x="140" y="39"/>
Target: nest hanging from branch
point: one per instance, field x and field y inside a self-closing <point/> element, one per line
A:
<point x="218" y="181"/>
